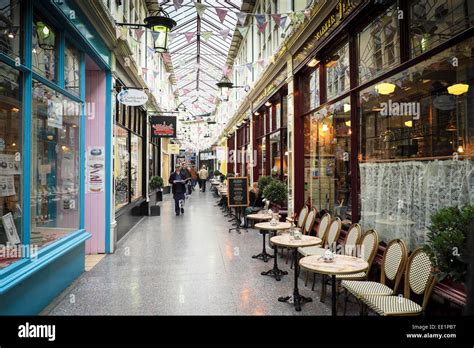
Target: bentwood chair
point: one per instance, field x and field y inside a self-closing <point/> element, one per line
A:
<point x="393" y="265"/>
<point x="300" y="222"/>
<point x="419" y="282"/>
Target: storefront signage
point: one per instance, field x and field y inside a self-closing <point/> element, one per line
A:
<point x="163" y="127"/>
<point x="238" y="192"/>
<point x="271" y="88"/>
<point x="173" y="149"/>
<point x="340" y="11"/>
<point x="95" y="169"/>
<point x="132" y="97"/>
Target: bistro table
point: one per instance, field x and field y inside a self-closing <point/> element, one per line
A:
<point x="342" y="264"/>
<point x="267" y="226"/>
<point x="287" y="241"/>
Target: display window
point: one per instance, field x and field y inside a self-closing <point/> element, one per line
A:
<point x="136" y="167"/>
<point x="55" y="166"/>
<point x="45" y="43"/>
<point x="417" y="145"/>
<point x="310" y="87"/>
<point x="121" y="166"/>
<point x="71" y="69"/>
<point x="11" y="32"/>
<point x="327" y="134"/>
<point x="337" y="72"/>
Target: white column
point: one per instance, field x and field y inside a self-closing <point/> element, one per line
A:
<point x="290" y="117"/>
<point x="250" y="149"/>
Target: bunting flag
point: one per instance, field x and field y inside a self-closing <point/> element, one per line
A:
<point x="139" y="33"/>
<point x="206" y="35"/>
<point x="200" y="9"/>
<point x="150" y="50"/>
<point x="185" y="91"/>
<point x="177" y="4"/>
<point x="261" y="18"/>
<point x="221" y="13"/>
<point x="261" y="28"/>
<point x="283" y="22"/>
<point x="224" y="33"/>
<point x="226" y="70"/>
<point x="241" y="17"/>
<point x="243" y="30"/>
<point x="118" y="32"/>
<point x="261" y="62"/>
<point x="166" y="58"/>
<point x="189" y="36"/>
<point x="172" y="36"/>
<point x="155" y="35"/>
<point x="277" y="19"/>
<point x="239" y="68"/>
<point x="249" y="66"/>
<point x="155" y="73"/>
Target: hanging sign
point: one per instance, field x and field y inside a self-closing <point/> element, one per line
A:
<point x="237" y="192"/>
<point x="132" y="97"/>
<point x="163" y="127"/>
<point x="173" y="149"/>
<point x="95" y="169"/>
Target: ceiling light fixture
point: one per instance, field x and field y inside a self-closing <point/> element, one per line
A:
<point x="313" y="62"/>
<point x="385" y="88"/>
<point x="458" y="89"/>
<point x="268" y="104"/>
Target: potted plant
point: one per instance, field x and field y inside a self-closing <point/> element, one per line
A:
<point x="446" y="244"/>
<point x="277" y="193"/>
<point x="156" y="184"/>
<point x="263" y="182"/>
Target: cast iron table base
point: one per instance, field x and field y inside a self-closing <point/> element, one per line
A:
<point x="263" y="255"/>
<point x="275" y="271"/>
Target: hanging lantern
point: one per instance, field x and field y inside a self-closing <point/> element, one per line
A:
<point x="225" y="84"/>
<point x="160" y="24"/>
<point x="45" y="36"/>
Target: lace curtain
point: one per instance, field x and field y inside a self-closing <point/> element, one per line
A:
<point x="398" y="199"/>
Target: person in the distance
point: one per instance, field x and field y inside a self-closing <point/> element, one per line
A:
<point x="178" y="181"/>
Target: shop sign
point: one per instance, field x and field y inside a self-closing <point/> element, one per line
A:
<point x="271" y="88"/>
<point x="173" y="149"/>
<point x="132" y="97"/>
<point x="163" y="127"/>
<point x="95" y="169"/>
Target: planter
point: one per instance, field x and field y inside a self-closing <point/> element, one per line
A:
<point x="155" y="210"/>
<point x="282" y="209"/>
<point x="159" y="196"/>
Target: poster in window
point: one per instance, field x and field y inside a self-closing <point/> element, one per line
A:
<point x="7" y="186"/>
<point x="163" y="127"/>
<point x="95" y="169"/>
<point x="8" y="165"/>
<point x="10" y="229"/>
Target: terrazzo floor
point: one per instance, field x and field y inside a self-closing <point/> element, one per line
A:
<point x="186" y="265"/>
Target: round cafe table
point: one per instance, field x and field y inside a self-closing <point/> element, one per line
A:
<point x="342" y="264"/>
<point x="267" y="226"/>
<point x="287" y="241"/>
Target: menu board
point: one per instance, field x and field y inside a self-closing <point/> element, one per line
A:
<point x="238" y="192"/>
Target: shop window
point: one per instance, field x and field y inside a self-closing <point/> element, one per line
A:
<point x="54" y="167"/>
<point x="284" y="112"/>
<point x="44" y="49"/>
<point x="434" y="21"/>
<point x="11" y="31"/>
<point x="72" y="70"/>
<point x="379" y="45"/>
<point x="10" y="165"/>
<point x="337" y="72"/>
<point x="136" y="144"/>
<point x="310" y="87"/>
<point x="275" y="154"/>
<point x="327" y="134"/>
<point x="121" y="166"/>
<point x="417" y="143"/>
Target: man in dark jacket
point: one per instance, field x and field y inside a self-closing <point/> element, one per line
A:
<point x="178" y="181"/>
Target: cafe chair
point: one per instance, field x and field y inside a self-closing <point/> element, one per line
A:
<point x="419" y="282"/>
<point x="393" y="264"/>
<point x="300" y="222"/>
<point x="366" y="251"/>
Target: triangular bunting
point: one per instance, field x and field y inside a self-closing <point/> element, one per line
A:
<point x="239" y="68"/>
<point x="185" y="92"/>
<point x="277" y="18"/>
<point x="189" y="36"/>
<point x="172" y="35"/>
<point x="261" y="28"/>
<point x="139" y="33"/>
<point x="166" y="57"/>
<point x="155" y="73"/>
<point x="177" y="4"/>
<point x="221" y="13"/>
<point x="206" y="35"/>
<point x="260" y="19"/>
<point x="118" y="32"/>
<point x="155" y="35"/>
<point x="224" y="33"/>
<point x="200" y="9"/>
<point x="243" y="30"/>
<point x="283" y="22"/>
<point x="241" y="17"/>
<point x="226" y="70"/>
<point x="261" y="62"/>
<point x="249" y="66"/>
<point x="150" y="50"/>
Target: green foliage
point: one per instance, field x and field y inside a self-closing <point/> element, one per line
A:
<point x="264" y="181"/>
<point x="447" y="241"/>
<point x="276" y="192"/>
<point x="156" y="182"/>
<point x="217" y="173"/>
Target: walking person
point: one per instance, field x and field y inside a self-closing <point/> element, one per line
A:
<point x="178" y="181"/>
<point x="203" y="175"/>
<point x="194" y="177"/>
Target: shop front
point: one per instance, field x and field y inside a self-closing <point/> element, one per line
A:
<point x="384" y="114"/>
<point x="53" y="111"/>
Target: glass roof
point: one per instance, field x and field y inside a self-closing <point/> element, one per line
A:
<point x="198" y="64"/>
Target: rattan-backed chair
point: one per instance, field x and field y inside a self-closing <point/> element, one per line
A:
<point x="300" y="223"/>
<point x="419" y="281"/>
<point x="393" y="266"/>
<point x="329" y="240"/>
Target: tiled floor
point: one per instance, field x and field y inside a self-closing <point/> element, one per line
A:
<point x="186" y="265"/>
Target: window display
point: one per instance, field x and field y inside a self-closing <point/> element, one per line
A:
<point x="121" y="166"/>
<point x="310" y="95"/>
<point x="11" y="31"/>
<point x="10" y="163"/>
<point x="44" y="49"/>
<point x="54" y="167"/>
<point x="417" y="145"/>
<point x="327" y="158"/>
<point x="136" y="167"/>
<point x="71" y="70"/>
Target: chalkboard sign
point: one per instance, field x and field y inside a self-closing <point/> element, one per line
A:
<point x="238" y="192"/>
